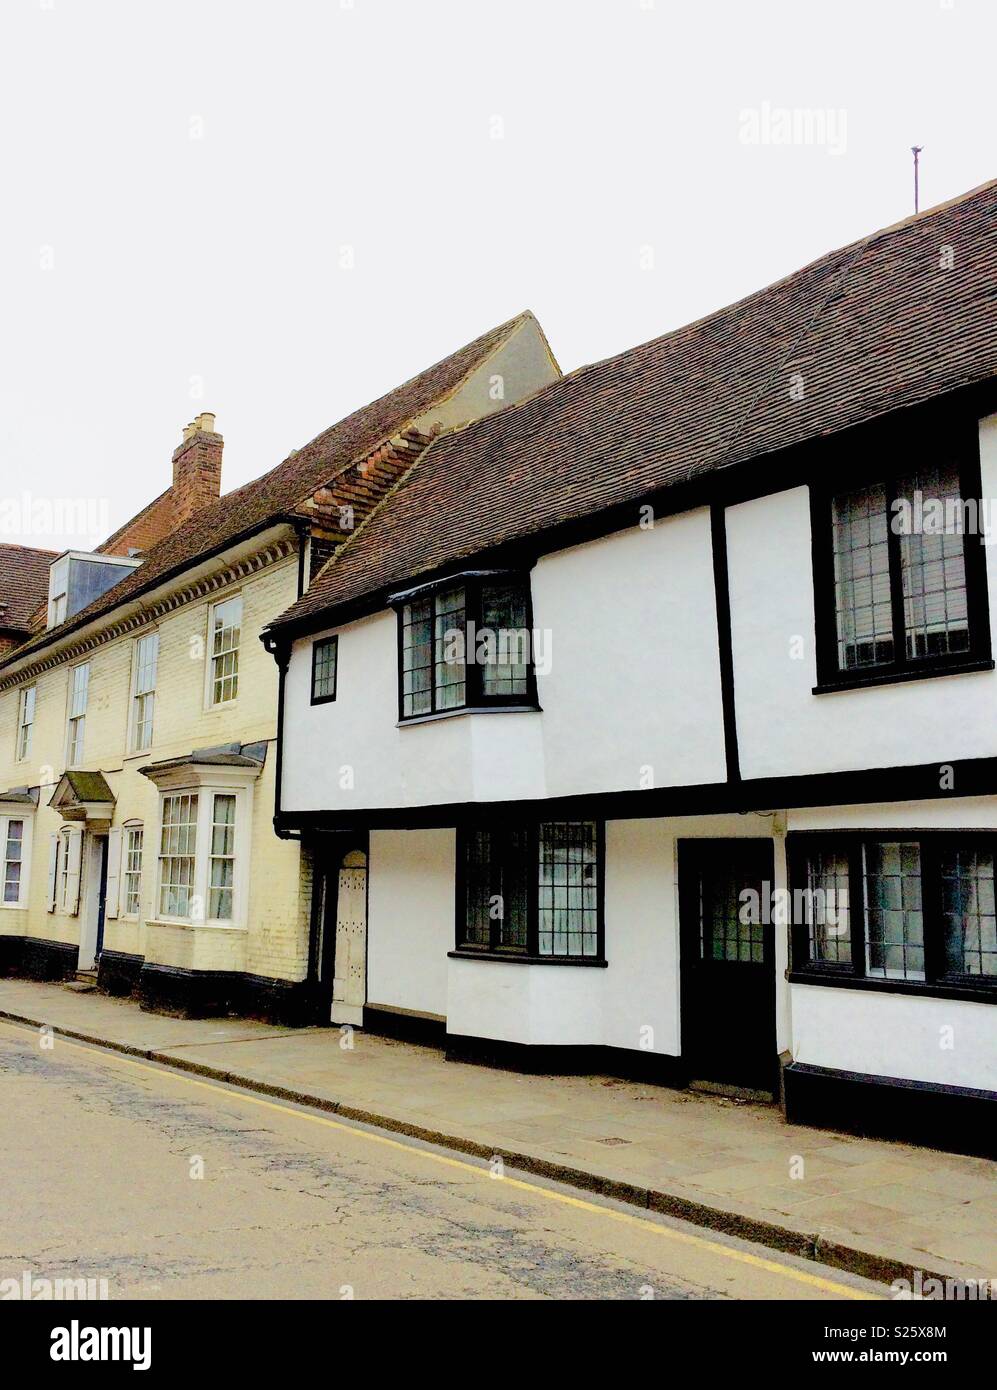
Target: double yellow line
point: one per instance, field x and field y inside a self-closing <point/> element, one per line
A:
<point x="801" y="1276"/>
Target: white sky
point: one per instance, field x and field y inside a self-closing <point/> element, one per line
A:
<point x="324" y="125"/>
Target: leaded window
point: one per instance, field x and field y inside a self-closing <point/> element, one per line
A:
<point x="532" y="891"/>
<point x="468" y="644"/>
<point x="324" y="662"/>
<point x="902" y="586"/>
<point x="900" y="910"/>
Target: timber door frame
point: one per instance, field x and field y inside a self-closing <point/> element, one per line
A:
<point x="695" y="857"/>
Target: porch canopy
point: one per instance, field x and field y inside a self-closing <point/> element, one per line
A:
<point x="86" y="797"/>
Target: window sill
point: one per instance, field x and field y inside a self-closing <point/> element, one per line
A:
<point x="974" y="994"/>
<point x="501" y="958"/>
<point x="193" y="926"/>
<point x="911" y="673"/>
<point x="468" y="709"/>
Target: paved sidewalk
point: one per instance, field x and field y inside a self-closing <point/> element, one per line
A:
<point x="877" y="1208"/>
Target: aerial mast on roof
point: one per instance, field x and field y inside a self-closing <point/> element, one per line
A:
<point x="915" y="151"/>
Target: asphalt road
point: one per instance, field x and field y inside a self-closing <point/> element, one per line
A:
<point x="170" y="1186"/>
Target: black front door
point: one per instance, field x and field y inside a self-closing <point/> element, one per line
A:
<point x="101" y="898"/>
<point x="728" y="962"/>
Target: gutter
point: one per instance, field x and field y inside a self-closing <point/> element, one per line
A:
<point x="81" y="622"/>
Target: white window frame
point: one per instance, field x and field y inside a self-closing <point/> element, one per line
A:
<point x="143" y="687"/>
<point x="58" y="597"/>
<point x="207" y="783"/>
<point x="25" y="727"/>
<point x="128" y="831"/>
<point x="26" y="817"/>
<point x="75" y="747"/>
<point x="65" y="839"/>
<point x="211" y="656"/>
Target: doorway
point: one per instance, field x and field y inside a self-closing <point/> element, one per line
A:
<point x="340" y="930"/>
<point x="94" y="902"/>
<point x="728" y="962"/>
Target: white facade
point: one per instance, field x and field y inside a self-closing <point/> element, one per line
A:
<point x="631" y="705"/>
<point x="632" y="698"/>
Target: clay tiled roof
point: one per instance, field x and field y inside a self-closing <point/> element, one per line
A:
<point x="285" y="490"/>
<point x="23" y="584"/>
<point x="881" y="325"/>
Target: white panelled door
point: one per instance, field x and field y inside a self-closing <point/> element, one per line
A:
<point x="349" y="985"/>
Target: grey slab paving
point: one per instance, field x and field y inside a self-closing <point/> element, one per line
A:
<point x="929" y="1210"/>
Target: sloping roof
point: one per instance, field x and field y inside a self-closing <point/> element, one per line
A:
<point x="23" y="584"/>
<point x="280" y="492"/>
<point x="223" y="755"/>
<point x="20" y="796"/>
<point x="81" y="786"/>
<point x="872" y="328"/>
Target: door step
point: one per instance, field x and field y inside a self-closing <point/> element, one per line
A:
<point x="720" y="1088"/>
<point x="85" y="982"/>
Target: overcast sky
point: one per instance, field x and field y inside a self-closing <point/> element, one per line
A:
<point x="279" y="209"/>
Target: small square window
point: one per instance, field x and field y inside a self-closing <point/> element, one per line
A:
<point x="324" y="664"/>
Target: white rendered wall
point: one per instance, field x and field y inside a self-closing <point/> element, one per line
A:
<point x="631" y="1003"/>
<point x="944" y="1041"/>
<point x="632" y="699"/>
<point x="782" y="727"/>
<point x="410" y="918"/>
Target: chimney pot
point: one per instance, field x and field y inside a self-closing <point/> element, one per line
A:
<point x="197" y="468"/>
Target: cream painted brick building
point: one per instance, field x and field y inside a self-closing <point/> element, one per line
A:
<point x="138" y="756"/>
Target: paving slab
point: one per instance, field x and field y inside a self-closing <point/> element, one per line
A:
<point x="875" y="1207"/>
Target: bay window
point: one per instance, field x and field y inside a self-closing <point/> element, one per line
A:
<point x="203" y="855"/>
<point x="531" y="892"/>
<point x="466" y="644"/>
<point x="898" y="910"/>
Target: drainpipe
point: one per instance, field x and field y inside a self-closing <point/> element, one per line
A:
<point x="281" y="653"/>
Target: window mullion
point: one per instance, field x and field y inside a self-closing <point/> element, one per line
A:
<point x="472" y="671"/>
<point x="856" y="906"/>
<point x="896" y="583"/>
<point x="533" y="890"/>
<point x="931" y="909"/>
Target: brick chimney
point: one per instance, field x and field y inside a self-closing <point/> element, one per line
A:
<point x="197" y="468"/>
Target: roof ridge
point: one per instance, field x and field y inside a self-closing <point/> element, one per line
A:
<point x="505" y="331"/>
<point x="502" y="328"/>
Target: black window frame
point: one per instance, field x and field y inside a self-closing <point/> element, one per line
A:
<point x="953" y="442"/>
<point x="530" y="953"/>
<point x="475" y="697"/>
<point x="325" y="642"/>
<point x="937" y="982"/>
